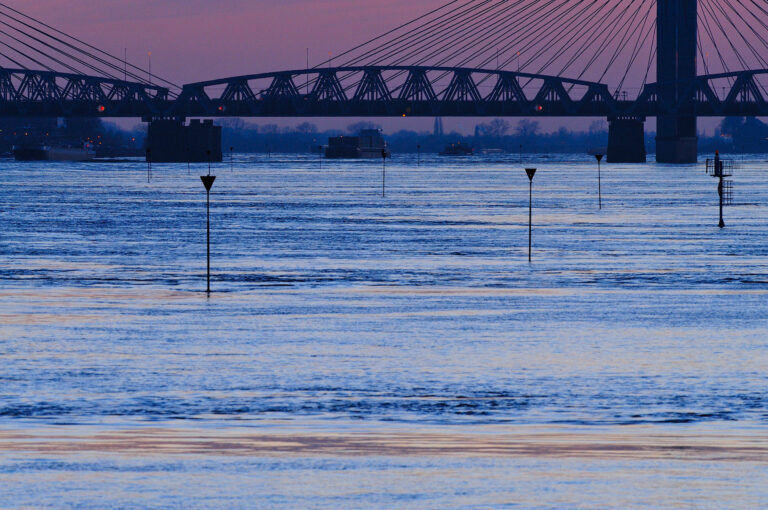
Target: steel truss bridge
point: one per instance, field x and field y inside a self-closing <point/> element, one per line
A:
<point x="376" y="91"/>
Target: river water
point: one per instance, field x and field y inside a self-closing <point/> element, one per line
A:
<point x="396" y="352"/>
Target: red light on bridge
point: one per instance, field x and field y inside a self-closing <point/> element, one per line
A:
<point x="102" y="108"/>
<point x="539" y="108"/>
<point x="221" y="108"/>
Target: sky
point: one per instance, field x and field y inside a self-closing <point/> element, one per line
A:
<point x="198" y="40"/>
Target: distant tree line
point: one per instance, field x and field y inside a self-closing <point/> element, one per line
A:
<point x="733" y="135"/>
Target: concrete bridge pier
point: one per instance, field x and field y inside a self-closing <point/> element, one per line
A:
<point x="626" y="140"/>
<point x="172" y="141"/>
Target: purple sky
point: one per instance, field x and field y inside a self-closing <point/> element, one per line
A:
<point x="195" y="40"/>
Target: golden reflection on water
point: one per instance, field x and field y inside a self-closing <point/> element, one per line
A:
<point x="630" y="443"/>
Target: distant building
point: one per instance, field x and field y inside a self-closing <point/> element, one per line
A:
<point x="438" y="131"/>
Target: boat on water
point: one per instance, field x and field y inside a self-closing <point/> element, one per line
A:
<point x="369" y="143"/>
<point x="458" y="149"/>
<point x="54" y="152"/>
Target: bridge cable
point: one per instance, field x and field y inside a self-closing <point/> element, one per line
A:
<point x="499" y="33"/>
<point x="32" y="59"/>
<point x="629" y="33"/>
<point x="607" y="40"/>
<point x="520" y="43"/>
<point x="452" y="19"/>
<point x="708" y="7"/>
<point x="547" y="41"/>
<point x="587" y="35"/>
<point x="571" y="35"/>
<point x="652" y="55"/>
<point x="639" y="45"/>
<point x="71" y="68"/>
<point x="98" y="50"/>
<point x="392" y="31"/>
<point x="452" y="38"/>
<point x="704" y="22"/>
<point x="423" y="38"/>
<point x="21" y="66"/>
<point x="537" y="14"/>
<point x="121" y="70"/>
<point x="493" y="32"/>
<point x="575" y="33"/>
<point x="760" y="60"/>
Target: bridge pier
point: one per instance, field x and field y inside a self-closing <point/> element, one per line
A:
<point x="171" y="141"/>
<point x="626" y="140"/>
<point x="677" y="26"/>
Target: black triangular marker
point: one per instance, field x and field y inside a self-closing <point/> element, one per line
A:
<point x="208" y="181"/>
<point x="531" y="172"/>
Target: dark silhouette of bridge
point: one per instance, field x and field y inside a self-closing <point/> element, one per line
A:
<point x="372" y="88"/>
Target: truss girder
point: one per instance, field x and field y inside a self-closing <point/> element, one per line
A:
<point x="46" y="93"/>
<point x="462" y="88"/>
<point x="375" y="91"/>
<point x="372" y="87"/>
<point x="328" y="88"/>
<point x="417" y="87"/>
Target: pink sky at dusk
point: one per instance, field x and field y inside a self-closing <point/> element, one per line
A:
<point x="196" y="40"/>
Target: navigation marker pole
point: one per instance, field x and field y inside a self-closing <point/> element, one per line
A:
<point x="149" y="165"/>
<point x="208" y="181"/>
<point x="599" y="158"/>
<point x="531" y="172"/>
<point x="383" y="173"/>
<point x="418" y="152"/>
<point x="231" y="159"/>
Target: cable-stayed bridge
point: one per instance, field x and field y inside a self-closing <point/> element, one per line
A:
<point x="675" y="60"/>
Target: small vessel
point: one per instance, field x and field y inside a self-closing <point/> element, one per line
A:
<point x="369" y="143"/>
<point x="54" y="152"/>
<point x="457" y="149"/>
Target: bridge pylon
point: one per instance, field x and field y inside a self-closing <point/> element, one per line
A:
<point x="677" y="27"/>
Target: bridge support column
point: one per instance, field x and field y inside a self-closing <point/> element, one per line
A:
<point x="677" y="26"/>
<point x="626" y="140"/>
<point x="171" y="141"/>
